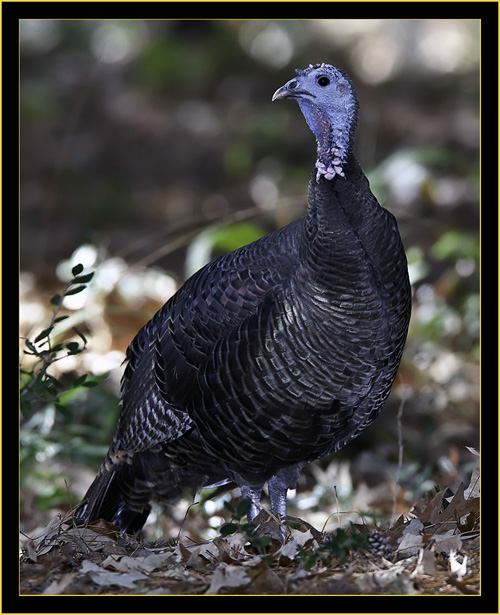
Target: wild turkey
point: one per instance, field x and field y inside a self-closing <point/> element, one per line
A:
<point x="273" y="355"/>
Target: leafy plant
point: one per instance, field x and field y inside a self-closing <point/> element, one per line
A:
<point x="259" y="543"/>
<point x="47" y="402"/>
<point x="336" y="548"/>
<point x="38" y="386"/>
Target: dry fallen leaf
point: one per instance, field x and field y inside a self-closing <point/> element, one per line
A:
<point x="472" y="490"/>
<point x="426" y="563"/>
<point x="442" y="532"/>
<point x="104" y="577"/>
<point x="59" y="585"/>
<point x="411" y="540"/>
<point x="228" y="576"/>
<point x="444" y="543"/>
<point x="393" y="580"/>
<point x="127" y="564"/>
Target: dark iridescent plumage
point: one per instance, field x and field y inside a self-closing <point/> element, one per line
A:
<point x="274" y="355"/>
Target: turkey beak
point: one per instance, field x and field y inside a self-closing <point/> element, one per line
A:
<point x="286" y="90"/>
<point x="280" y="93"/>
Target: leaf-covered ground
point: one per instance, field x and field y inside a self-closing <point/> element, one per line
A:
<point x="432" y="551"/>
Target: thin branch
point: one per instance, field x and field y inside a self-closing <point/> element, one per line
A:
<point x="400" y="447"/>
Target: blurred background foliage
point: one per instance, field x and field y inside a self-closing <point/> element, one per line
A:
<point x="150" y="147"/>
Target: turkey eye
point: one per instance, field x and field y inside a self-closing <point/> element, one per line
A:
<point x="323" y="81"/>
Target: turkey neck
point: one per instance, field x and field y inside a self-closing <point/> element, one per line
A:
<point x="347" y="229"/>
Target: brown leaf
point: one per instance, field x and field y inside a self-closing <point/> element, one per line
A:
<point x="57" y="586"/>
<point x="104" y="528"/>
<point x="127" y="564"/>
<point x="104" y="577"/>
<point x="433" y="508"/>
<point x="29" y="545"/>
<point x="227" y="576"/>
<point x="202" y="555"/>
<point x="264" y="580"/>
<point x="224" y="549"/>
<point x="411" y="540"/>
<point x="183" y="552"/>
<point x="426" y="563"/>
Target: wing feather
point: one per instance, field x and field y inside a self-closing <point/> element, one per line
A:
<point x="164" y="359"/>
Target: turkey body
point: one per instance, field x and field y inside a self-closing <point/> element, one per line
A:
<point x="267" y="358"/>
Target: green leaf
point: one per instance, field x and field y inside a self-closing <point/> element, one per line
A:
<point x="77" y="269"/>
<point x="80" y="335"/>
<point x="261" y="542"/>
<point x="60" y="318"/>
<point x="310" y="561"/>
<point x="83" y="279"/>
<point x="73" y="347"/>
<point x="75" y="291"/>
<point x="90" y="383"/>
<point x="243" y="507"/>
<point x="31" y="346"/>
<point x="248" y="528"/>
<point x="80" y="381"/>
<point x="25" y="407"/>
<point x="51" y="390"/>
<point x="61" y="408"/>
<point x="229" y="507"/>
<point x="45" y="333"/>
<point x="228" y="528"/>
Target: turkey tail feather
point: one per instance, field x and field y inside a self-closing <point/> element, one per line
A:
<point x="104" y="500"/>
